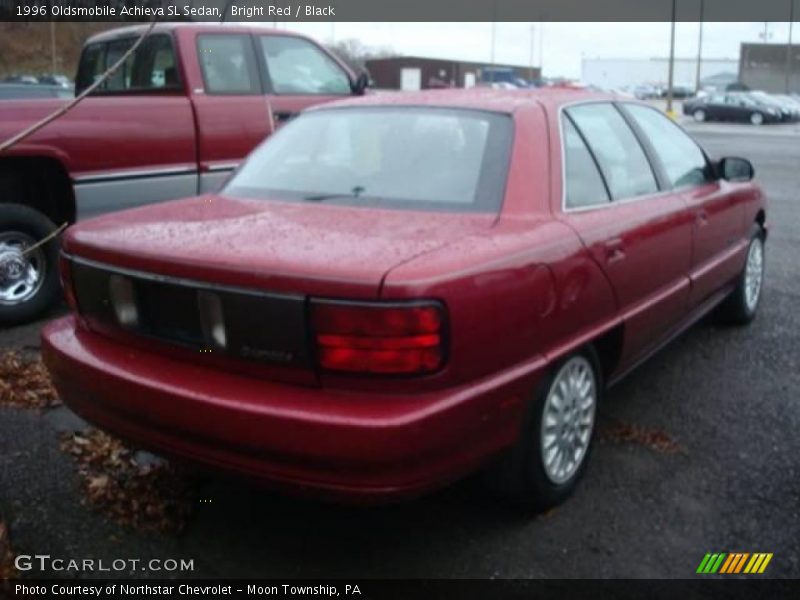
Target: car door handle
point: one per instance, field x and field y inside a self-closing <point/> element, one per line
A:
<point x="702" y="218"/>
<point x="615" y="250"/>
<point x="282" y="115"/>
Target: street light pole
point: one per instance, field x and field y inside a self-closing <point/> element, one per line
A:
<point x="671" y="62"/>
<point x="789" y="49"/>
<point x="533" y="36"/>
<point x="699" y="49"/>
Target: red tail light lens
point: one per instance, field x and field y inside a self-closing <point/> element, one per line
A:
<point x="65" y="274"/>
<point x="379" y="338"/>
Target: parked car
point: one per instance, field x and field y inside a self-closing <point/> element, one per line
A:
<point x="23" y="79"/>
<point x="646" y="92"/>
<point x="735" y="106"/>
<point x="789" y="111"/>
<point x="60" y="80"/>
<point x="678" y="91"/>
<point x="429" y="288"/>
<point x="176" y="121"/>
<point x="18" y="91"/>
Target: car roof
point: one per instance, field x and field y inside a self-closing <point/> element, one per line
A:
<point x="488" y="99"/>
<point x="133" y="30"/>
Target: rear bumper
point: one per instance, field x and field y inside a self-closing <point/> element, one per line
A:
<point x="356" y="446"/>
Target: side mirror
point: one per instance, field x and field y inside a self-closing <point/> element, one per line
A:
<point x="735" y="169"/>
<point x="360" y="84"/>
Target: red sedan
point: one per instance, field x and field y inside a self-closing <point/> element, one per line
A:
<point x="397" y="290"/>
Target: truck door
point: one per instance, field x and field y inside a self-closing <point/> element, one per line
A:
<point x="298" y="73"/>
<point x="133" y="140"/>
<point x="231" y="110"/>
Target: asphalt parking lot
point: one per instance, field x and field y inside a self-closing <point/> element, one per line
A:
<point x="726" y="398"/>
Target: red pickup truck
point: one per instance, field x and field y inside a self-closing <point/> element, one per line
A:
<point x="174" y="121"/>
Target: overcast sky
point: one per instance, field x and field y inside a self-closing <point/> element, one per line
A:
<point x="564" y="44"/>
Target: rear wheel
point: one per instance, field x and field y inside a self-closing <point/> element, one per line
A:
<point x="699" y="115"/>
<point x="551" y="454"/>
<point x="28" y="276"/>
<point x="741" y="306"/>
<point x="757" y="118"/>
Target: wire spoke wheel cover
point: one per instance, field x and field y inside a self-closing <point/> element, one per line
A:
<point x="754" y="274"/>
<point x="21" y="274"/>
<point x="568" y="419"/>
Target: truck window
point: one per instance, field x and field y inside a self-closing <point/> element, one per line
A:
<point x="297" y="66"/>
<point x="228" y="64"/>
<point x="151" y="67"/>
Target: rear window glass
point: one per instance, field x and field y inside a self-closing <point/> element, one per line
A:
<point x="151" y="67"/>
<point x="414" y="158"/>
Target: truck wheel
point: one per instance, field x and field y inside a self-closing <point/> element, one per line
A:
<point x="28" y="280"/>
<point x="551" y="454"/>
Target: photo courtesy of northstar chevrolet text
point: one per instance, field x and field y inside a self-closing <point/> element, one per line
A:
<point x="434" y="299"/>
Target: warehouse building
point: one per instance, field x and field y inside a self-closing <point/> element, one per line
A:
<point x="613" y="73"/>
<point x="417" y="73"/>
<point x="765" y="67"/>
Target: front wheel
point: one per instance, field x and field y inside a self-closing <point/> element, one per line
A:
<point x="740" y="307"/>
<point x="757" y="118"/>
<point x="551" y="454"/>
<point x="28" y="276"/>
<point x="699" y="115"/>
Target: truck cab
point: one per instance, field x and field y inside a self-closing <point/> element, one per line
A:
<point x="174" y="120"/>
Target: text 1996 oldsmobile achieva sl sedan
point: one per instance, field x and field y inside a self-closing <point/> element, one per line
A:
<point x="396" y="290"/>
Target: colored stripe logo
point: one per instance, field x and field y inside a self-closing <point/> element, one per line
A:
<point x="734" y="563"/>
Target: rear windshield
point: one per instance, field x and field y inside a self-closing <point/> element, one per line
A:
<point x="406" y="158"/>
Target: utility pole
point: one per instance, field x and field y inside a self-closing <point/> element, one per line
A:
<point x="789" y="49"/>
<point x="671" y="63"/>
<point x="700" y="48"/>
<point x="53" y="68"/>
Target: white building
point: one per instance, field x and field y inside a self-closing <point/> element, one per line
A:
<point x="622" y="72"/>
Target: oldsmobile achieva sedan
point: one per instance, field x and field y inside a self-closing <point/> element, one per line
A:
<point x="397" y="290"/>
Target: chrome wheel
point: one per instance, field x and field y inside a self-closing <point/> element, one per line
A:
<point x="699" y="115"/>
<point x="21" y="274"/>
<point x="568" y="419"/>
<point x="754" y="273"/>
<point x="756" y="118"/>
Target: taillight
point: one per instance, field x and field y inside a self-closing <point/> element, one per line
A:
<point x="379" y="338"/>
<point x="65" y="274"/>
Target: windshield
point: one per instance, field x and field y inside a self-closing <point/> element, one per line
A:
<point x="407" y="158"/>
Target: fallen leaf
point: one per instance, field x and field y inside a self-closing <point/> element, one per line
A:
<point x="25" y="383"/>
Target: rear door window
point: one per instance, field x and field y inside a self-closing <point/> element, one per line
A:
<point x="622" y="160"/>
<point x="584" y="184"/>
<point x="228" y="64"/>
<point x="296" y="66"/>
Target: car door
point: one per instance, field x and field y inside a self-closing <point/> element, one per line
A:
<point x="638" y="232"/>
<point x="716" y="206"/>
<point x="717" y="108"/>
<point x="232" y="113"/>
<point x="298" y="74"/>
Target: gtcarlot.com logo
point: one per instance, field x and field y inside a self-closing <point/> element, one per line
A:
<point x="734" y="563"/>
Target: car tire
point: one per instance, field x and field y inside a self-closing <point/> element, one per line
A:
<point x="28" y="282"/>
<point x="699" y="115"/>
<point x="530" y="474"/>
<point x="757" y="118"/>
<point x="740" y="307"/>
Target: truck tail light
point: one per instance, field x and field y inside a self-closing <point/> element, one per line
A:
<point x="65" y="274"/>
<point x="379" y="338"/>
